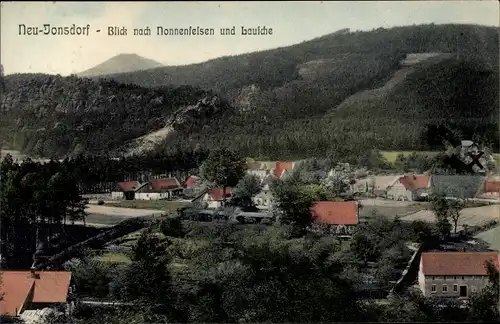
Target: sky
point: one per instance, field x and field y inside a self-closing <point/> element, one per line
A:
<point x="292" y="22"/>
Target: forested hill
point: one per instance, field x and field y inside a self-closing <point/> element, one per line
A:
<point x="333" y="95"/>
<point x="53" y="116"/>
<point x="368" y="52"/>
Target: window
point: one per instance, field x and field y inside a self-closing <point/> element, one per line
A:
<point x="433" y="288"/>
<point x="444" y="277"/>
<point x="433" y="278"/>
<point x="455" y="288"/>
<point x="445" y="288"/>
<point x="463" y="277"/>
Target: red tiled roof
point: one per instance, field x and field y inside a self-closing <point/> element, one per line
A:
<point x="128" y="185"/>
<point x="165" y="184"/>
<point x="190" y="181"/>
<point x="457" y="263"/>
<point x="415" y="182"/>
<point x="51" y="287"/>
<point x="217" y="195"/>
<point x="492" y="186"/>
<point x="335" y="213"/>
<point x="281" y="167"/>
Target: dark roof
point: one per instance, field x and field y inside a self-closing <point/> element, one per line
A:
<point x="460" y="186"/>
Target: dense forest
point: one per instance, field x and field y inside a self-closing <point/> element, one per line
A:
<point x="54" y="116"/>
<point x="286" y="103"/>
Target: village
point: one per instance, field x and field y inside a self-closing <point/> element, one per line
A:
<point x="453" y="268"/>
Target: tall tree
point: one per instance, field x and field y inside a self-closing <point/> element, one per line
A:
<point x="223" y="168"/>
<point x="246" y="189"/>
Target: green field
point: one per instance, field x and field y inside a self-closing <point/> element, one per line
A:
<point x="165" y="205"/>
<point x="391" y="156"/>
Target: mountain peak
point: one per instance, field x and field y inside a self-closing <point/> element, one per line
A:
<point x="121" y="63"/>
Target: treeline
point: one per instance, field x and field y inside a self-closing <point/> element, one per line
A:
<point x="36" y="200"/>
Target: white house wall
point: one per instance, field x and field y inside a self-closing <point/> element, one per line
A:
<point x="399" y="192"/>
<point x="117" y="195"/>
<point x="421" y="278"/>
<point x="151" y="195"/>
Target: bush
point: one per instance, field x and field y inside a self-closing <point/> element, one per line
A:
<point x="172" y="226"/>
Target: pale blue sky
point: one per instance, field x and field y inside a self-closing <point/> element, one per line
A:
<point x="292" y="22"/>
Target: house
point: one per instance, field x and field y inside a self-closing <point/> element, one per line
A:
<point x="282" y="169"/>
<point x="147" y="190"/>
<point x="29" y="290"/>
<point x="454" y="274"/>
<point x="490" y="189"/>
<point x="193" y="186"/>
<point x="375" y="185"/>
<point x="191" y="181"/>
<point x="159" y="189"/>
<point x="126" y="190"/>
<point x="213" y="197"/>
<point x="458" y="186"/>
<point x="264" y="198"/>
<point x="343" y="215"/>
<point x="258" y="169"/>
<point x="410" y="188"/>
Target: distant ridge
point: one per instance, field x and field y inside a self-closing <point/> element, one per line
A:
<point x="121" y="63"/>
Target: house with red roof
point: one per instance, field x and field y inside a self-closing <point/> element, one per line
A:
<point x="191" y="181"/>
<point x="126" y="190"/>
<point x="342" y="215"/>
<point x="454" y="274"/>
<point x="28" y="290"/>
<point x="157" y="189"/>
<point x="148" y="190"/>
<point x="409" y="188"/>
<point x="193" y="186"/>
<point x="214" y="197"/>
<point x="282" y="169"/>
